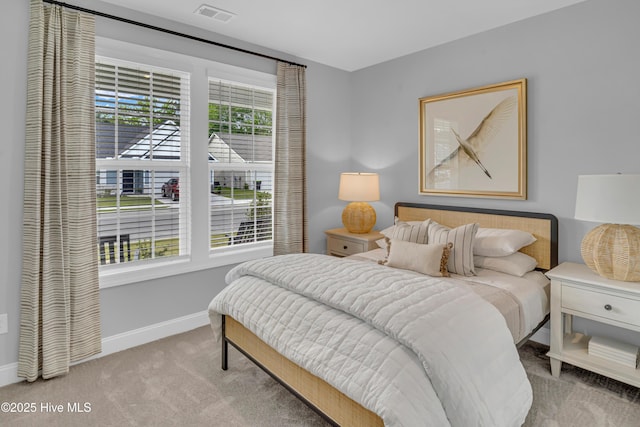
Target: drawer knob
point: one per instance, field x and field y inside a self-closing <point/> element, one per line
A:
<point x="607" y="307"/>
<point x="345" y="247"/>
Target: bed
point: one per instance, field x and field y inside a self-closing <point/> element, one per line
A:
<point x="347" y="395"/>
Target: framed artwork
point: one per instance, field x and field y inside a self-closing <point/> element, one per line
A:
<point x="473" y="143"/>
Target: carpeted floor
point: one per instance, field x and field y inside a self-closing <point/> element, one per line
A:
<point x="178" y="381"/>
<point x="578" y="398"/>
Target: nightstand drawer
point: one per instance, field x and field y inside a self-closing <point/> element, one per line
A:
<point x="600" y="304"/>
<point x="345" y="247"/>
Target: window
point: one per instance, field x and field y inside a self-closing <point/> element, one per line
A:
<point x="142" y="122"/>
<point x="240" y="163"/>
<point x="184" y="160"/>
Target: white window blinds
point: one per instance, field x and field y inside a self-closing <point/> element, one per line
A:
<point x="142" y="178"/>
<point x="241" y="143"/>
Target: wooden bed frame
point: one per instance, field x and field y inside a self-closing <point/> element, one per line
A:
<point x="330" y="403"/>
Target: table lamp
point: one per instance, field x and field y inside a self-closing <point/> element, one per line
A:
<point x="612" y="249"/>
<point x="359" y="188"/>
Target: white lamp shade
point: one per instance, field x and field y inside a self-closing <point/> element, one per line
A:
<point x="359" y="187"/>
<point x="608" y="199"/>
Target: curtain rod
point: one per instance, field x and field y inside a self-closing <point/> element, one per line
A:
<point x="164" y="30"/>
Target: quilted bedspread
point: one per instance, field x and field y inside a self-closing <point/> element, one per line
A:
<point x="413" y="349"/>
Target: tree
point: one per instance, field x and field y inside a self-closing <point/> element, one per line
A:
<point x="239" y="120"/>
<point x="261" y="206"/>
<point x="136" y="110"/>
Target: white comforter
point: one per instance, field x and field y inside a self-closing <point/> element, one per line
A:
<point x="415" y="350"/>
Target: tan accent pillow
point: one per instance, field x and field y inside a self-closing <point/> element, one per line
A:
<point x="461" y="258"/>
<point x="429" y="259"/>
<point x="412" y="231"/>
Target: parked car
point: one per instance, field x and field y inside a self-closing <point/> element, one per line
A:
<point x="171" y="189"/>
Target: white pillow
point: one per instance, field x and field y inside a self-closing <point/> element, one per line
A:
<point x="412" y="231"/>
<point x="500" y="242"/>
<point x="461" y="257"/>
<point x="516" y="264"/>
<point x="429" y="259"/>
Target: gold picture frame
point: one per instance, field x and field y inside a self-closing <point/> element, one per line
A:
<point x="473" y="143"/>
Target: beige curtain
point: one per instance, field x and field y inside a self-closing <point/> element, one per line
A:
<point x="59" y="311"/>
<point x="290" y="193"/>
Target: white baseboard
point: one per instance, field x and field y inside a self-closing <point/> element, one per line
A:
<point x="136" y="337"/>
<point x="9" y="374"/>
<point x="125" y="340"/>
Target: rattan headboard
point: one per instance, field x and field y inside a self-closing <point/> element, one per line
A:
<point x="543" y="226"/>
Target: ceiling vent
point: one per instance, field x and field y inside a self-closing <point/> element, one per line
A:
<point x="214" y="12"/>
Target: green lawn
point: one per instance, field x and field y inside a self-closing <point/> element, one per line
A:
<point x="110" y="201"/>
<point x="145" y="201"/>
<point x="169" y="247"/>
<point x="239" y="193"/>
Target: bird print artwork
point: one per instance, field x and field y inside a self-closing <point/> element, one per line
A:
<point x="471" y="147"/>
<point x="469" y="151"/>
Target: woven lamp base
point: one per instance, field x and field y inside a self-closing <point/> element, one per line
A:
<point x="613" y="251"/>
<point x="359" y="217"/>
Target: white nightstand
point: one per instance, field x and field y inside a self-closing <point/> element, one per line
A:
<point x="578" y="291"/>
<point x="341" y="243"/>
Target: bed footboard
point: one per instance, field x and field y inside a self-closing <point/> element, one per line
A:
<point x="331" y="404"/>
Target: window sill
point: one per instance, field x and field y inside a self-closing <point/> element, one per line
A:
<point x="129" y="274"/>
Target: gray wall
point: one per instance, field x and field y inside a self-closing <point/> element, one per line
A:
<point x="13" y="26"/>
<point x="581" y="64"/>
<point x="129" y="307"/>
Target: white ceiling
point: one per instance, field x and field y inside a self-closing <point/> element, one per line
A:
<point x="349" y="34"/>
